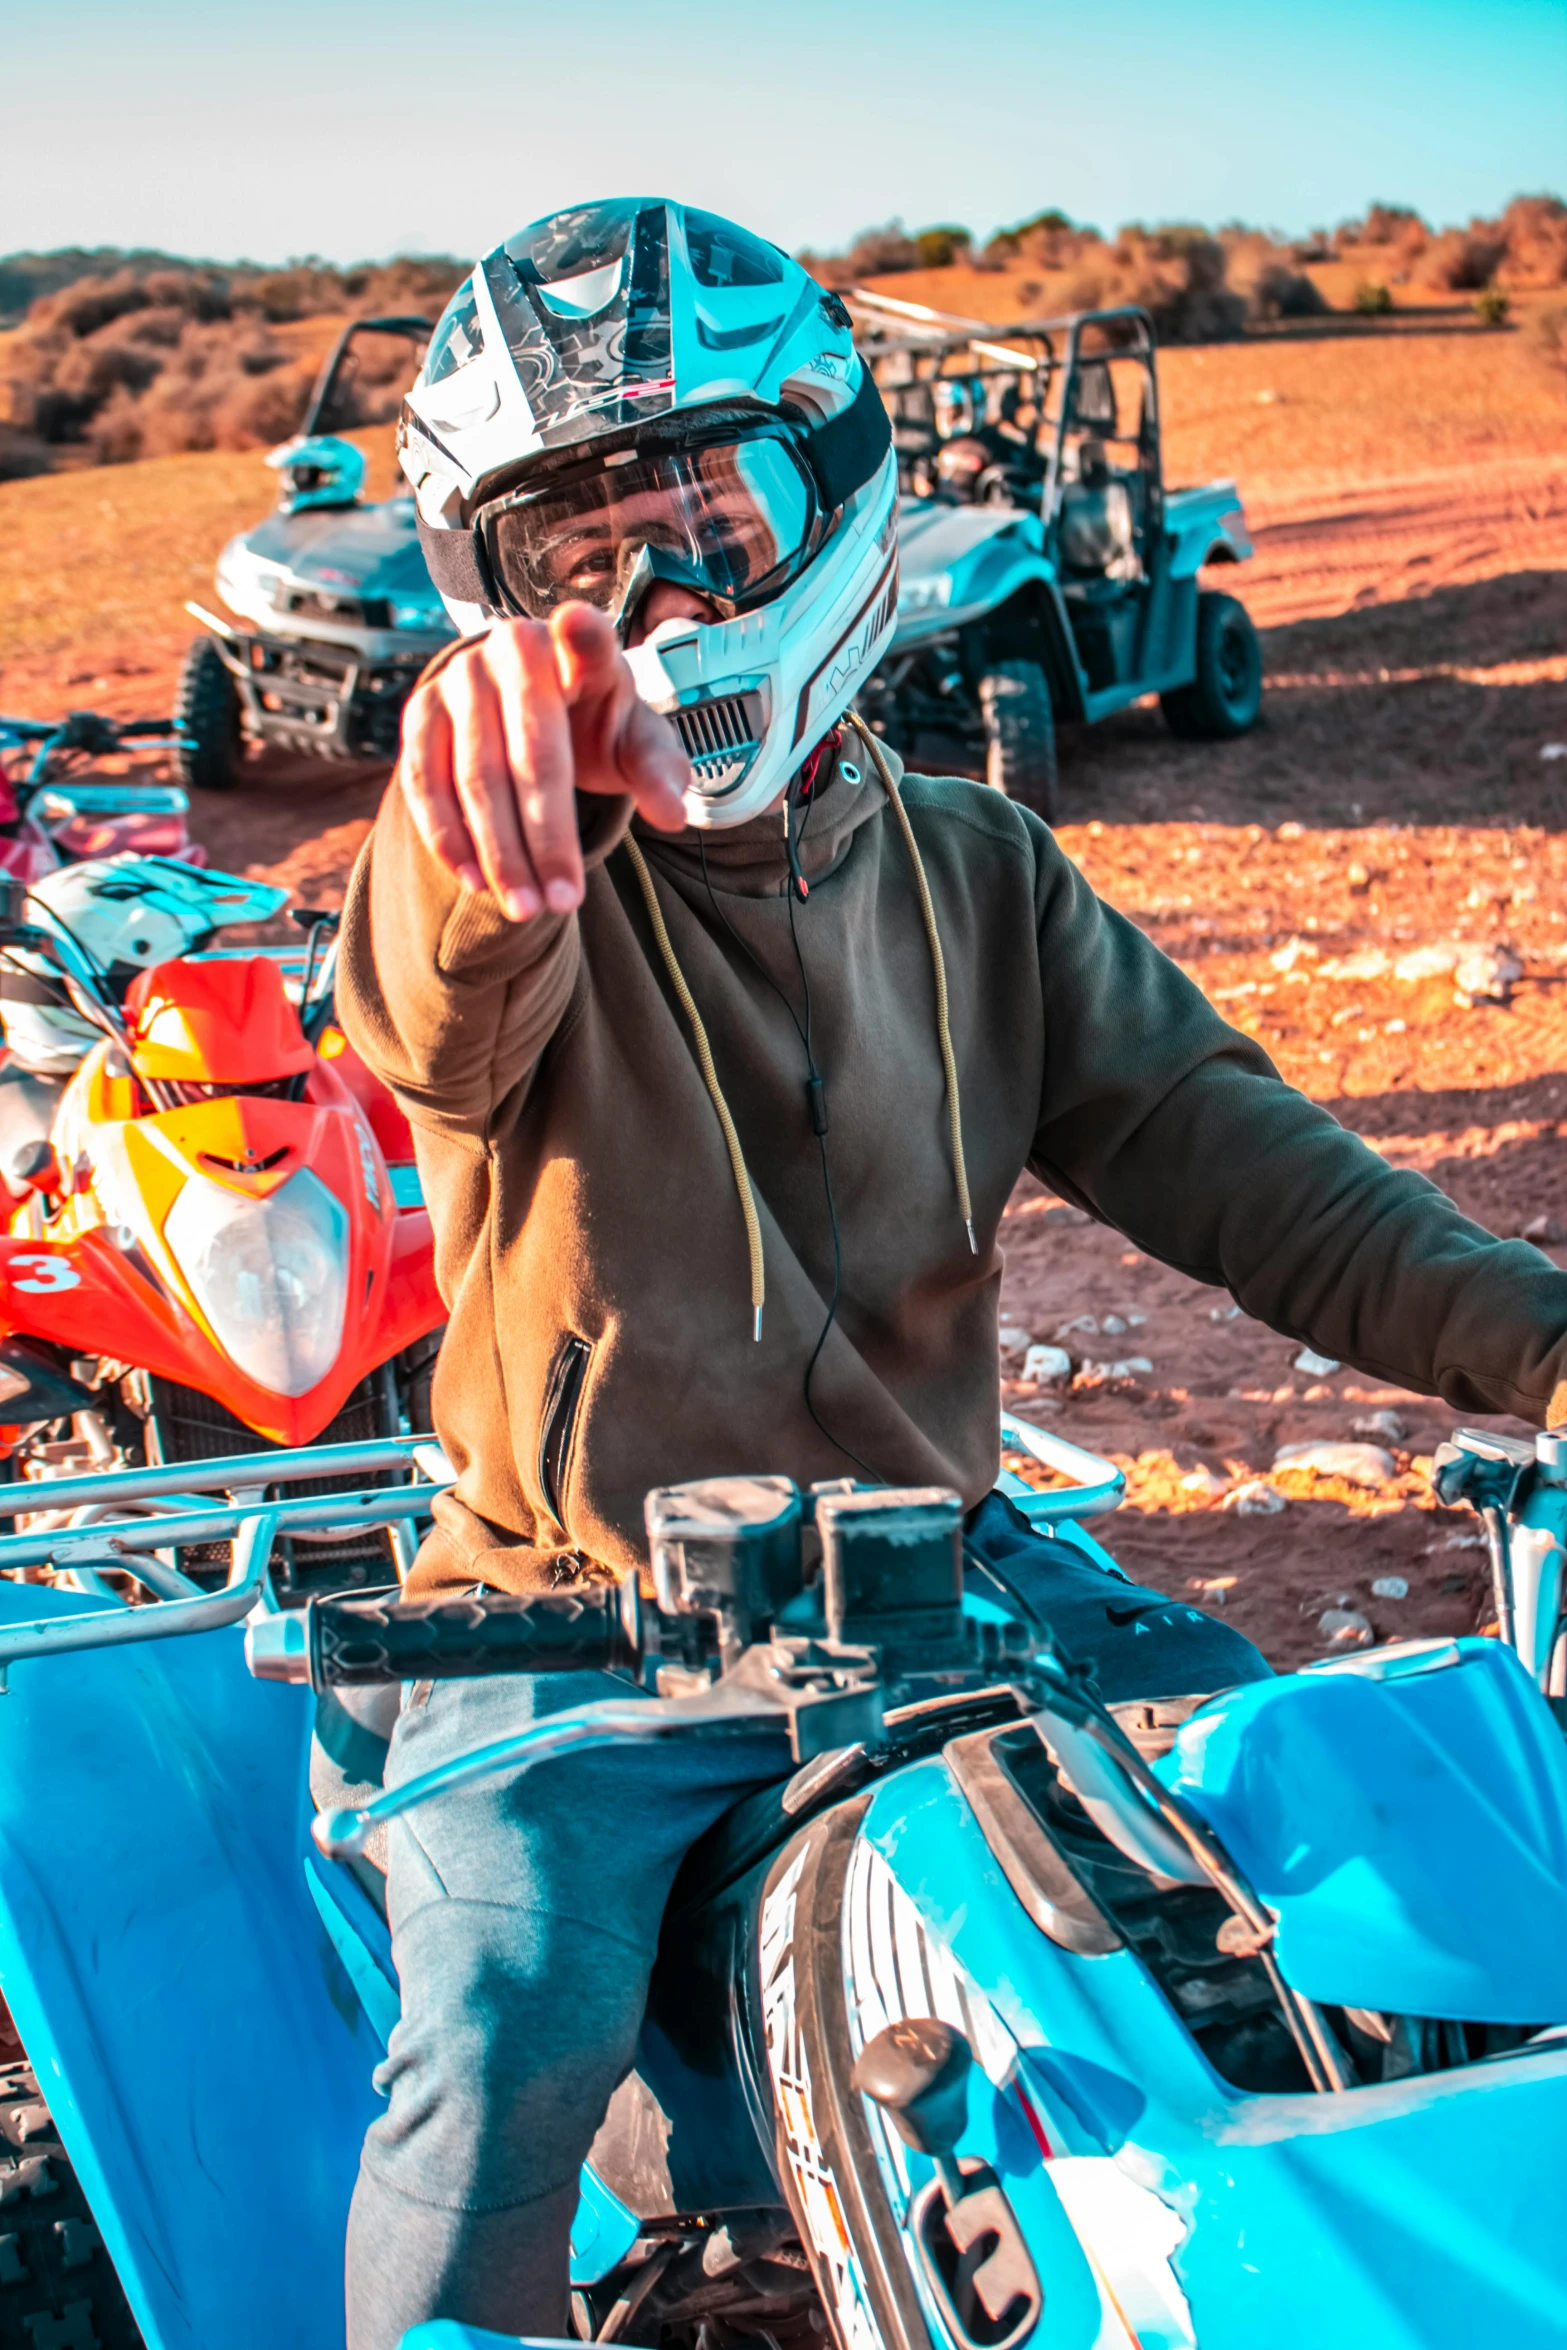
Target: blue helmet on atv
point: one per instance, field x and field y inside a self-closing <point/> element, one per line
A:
<point x="320" y="470"/>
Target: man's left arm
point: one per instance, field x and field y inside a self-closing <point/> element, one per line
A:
<point x="1175" y="1128"/>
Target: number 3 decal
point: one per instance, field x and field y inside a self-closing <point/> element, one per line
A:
<point x="44" y="1274"/>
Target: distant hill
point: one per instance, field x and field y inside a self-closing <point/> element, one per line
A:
<point x="24" y="277"/>
<point x="118" y="355"/>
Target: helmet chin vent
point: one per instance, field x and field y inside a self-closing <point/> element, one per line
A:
<point x="720" y="738"/>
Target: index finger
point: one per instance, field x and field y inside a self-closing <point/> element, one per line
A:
<point x="522" y="662"/>
<point x="621" y="744"/>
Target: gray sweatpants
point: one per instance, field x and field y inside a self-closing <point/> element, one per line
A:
<point x="524" y="1917"/>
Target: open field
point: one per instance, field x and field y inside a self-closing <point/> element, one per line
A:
<point x="1408" y="494"/>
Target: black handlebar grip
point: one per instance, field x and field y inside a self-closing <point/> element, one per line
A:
<point x="356" y="1643"/>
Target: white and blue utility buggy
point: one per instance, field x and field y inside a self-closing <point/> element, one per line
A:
<point x="1046" y="572"/>
<point x="336" y="612"/>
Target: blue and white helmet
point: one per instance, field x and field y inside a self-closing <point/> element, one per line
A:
<point x="126" y="913"/>
<point x="320" y="470"/>
<point x="635" y="390"/>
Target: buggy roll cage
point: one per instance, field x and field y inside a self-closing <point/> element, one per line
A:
<point x="339" y="362"/>
<point x="910" y="347"/>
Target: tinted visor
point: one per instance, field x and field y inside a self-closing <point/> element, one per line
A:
<point x="733" y="519"/>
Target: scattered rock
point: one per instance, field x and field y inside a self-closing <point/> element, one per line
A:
<point x="1543" y="1228"/>
<point x="1364" y="963"/>
<point x="1345" y="1627"/>
<point x="1314" y="1365"/>
<point x="1485" y="975"/>
<point x="1293" y="950"/>
<point x="1427" y="963"/>
<point x="1013" y="1336"/>
<point x="1390" y="1587"/>
<point x="1357" y="1464"/>
<point x="1255" y="1499"/>
<point x="1133" y="1367"/>
<point x="1387" y="1425"/>
<point x="1465" y="1542"/>
<point x="1202" y="1479"/>
<point x="1048" y="1364"/>
<point x="1359" y="877"/>
<point x="1224" y="1313"/>
<point x="1083" y="1322"/>
<point x="1112" y="1325"/>
<point x="1553" y="750"/>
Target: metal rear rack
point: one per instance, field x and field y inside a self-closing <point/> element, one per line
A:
<point x="134" y="1522"/>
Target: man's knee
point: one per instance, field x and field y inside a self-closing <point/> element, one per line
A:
<point x="515" y="2029"/>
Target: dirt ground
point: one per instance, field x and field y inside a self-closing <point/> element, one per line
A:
<point x="1372" y="884"/>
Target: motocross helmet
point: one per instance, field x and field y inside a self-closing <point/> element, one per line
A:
<point x="127" y="913"/>
<point x="635" y="390"/>
<point x="320" y="471"/>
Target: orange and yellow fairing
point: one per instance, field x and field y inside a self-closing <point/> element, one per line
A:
<point x="97" y="1273"/>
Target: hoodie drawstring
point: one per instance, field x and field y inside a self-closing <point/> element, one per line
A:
<point x="949" y="1062"/>
<point x="704" y="1054"/>
<point x="704" y="1051"/>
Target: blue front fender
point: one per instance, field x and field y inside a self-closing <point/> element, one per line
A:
<point x="193" y="2030"/>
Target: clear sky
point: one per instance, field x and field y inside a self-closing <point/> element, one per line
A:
<point x="362" y="127"/>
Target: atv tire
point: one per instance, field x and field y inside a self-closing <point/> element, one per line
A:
<point x="1225" y="696"/>
<point x="207" y="712"/>
<point x="58" y="2289"/>
<point x="1020" y="735"/>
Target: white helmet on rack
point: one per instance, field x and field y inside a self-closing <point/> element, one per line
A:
<point x="635" y="390"/>
<point x="126" y="913"/>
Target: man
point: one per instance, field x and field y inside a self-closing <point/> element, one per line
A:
<point x="724" y="1044"/>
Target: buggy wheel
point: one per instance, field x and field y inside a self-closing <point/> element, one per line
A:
<point x="57" y="2283"/>
<point x="1020" y="735"/>
<point x="206" y="710"/>
<point x="1225" y="696"/>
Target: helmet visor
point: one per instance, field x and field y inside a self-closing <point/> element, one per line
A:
<point x="734" y="519"/>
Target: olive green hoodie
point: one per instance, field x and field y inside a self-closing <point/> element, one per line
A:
<point x="588" y="1208"/>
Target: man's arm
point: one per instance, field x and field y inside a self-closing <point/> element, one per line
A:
<point x="523" y="756"/>
<point x="1178" y="1130"/>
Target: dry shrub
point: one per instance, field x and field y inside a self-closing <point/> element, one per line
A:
<point x="1050" y="241"/>
<point x="148" y="361"/>
<point x="1278" y="291"/>
<point x="1461" y="261"/>
<point x="1536" y="232"/>
<point x="1264" y="273"/>
<point x="1545" y="334"/>
<point x="1177" y="274"/>
<point x="1383" y="224"/>
<point x="939" y="248"/>
<point x="1085" y="289"/>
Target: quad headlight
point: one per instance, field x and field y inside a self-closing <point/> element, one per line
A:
<point x="924" y="595"/>
<point x="270" y="1275"/>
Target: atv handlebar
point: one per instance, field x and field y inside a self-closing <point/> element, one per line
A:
<point x="356" y="1643"/>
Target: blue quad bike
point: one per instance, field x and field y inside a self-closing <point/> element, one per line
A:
<point x="1015" y="2012"/>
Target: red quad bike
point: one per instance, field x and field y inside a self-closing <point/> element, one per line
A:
<point x="56" y="806"/>
<point x="211" y="1252"/>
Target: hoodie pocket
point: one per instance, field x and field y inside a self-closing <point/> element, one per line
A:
<point x="558" y="1422"/>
